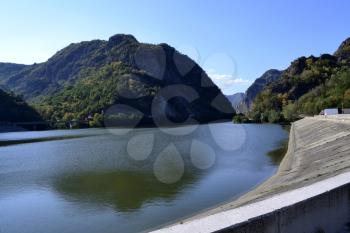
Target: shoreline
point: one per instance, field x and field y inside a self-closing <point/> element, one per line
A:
<point x="11" y="128"/>
<point x="313" y="155"/>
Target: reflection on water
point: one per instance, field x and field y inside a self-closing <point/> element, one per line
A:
<point x="124" y="191"/>
<point x="118" y="180"/>
<point x="277" y="155"/>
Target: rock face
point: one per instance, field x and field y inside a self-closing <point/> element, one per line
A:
<point x="258" y="85"/>
<point x="343" y="52"/>
<point x="9" y="69"/>
<point x="289" y="81"/>
<point x="299" y="70"/>
<point x="88" y="77"/>
<point x="306" y="73"/>
<point x="236" y="100"/>
<point x="306" y="87"/>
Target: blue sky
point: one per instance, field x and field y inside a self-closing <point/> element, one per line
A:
<point x="234" y="40"/>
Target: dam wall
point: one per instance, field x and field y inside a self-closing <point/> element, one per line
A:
<point x="309" y="193"/>
<point x="328" y="212"/>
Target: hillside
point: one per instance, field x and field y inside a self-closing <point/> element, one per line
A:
<point x="14" y="109"/>
<point x="87" y="78"/>
<point x="235" y="99"/>
<point x="307" y="86"/>
<point x="9" y="69"/>
<point x="258" y="85"/>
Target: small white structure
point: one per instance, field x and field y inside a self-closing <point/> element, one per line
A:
<point x="331" y="111"/>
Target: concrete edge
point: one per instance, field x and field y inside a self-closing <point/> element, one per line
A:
<point x="229" y="218"/>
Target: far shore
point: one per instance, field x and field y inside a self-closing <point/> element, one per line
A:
<point x="15" y="128"/>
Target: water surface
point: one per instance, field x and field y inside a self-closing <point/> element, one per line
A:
<point x="98" y="180"/>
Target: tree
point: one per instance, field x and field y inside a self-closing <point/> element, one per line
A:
<point x="274" y="116"/>
<point x="97" y="120"/>
<point x="68" y="116"/>
<point x="346" y="99"/>
<point x="240" y="118"/>
<point x="289" y="112"/>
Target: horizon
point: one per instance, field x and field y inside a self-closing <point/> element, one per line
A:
<point x="233" y="62"/>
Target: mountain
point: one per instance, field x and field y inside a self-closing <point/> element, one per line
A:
<point x="235" y="99"/>
<point x="343" y="52"/>
<point x="9" y="69"/>
<point x="87" y="78"/>
<point x="258" y="85"/>
<point x="307" y="86"/>
<point x="14" y="109"/>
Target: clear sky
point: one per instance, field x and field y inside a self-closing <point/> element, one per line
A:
<point x="234" y="40"/>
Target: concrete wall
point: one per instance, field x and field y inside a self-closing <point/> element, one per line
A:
<point x="310" y="193"/>
<point x="323" y="206"/>
<point x="345" y="117"/>
<point x="328" y="212"/>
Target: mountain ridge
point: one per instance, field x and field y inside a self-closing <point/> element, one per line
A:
<point x="307" y="86"/>
<point x="236" y="100"/>
<point x="134" y="73"/>
<point x="245" y="105"/>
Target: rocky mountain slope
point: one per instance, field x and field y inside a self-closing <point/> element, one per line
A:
<point x="89" y="77"/>
<point x="235" y="99"/>
<point x="258" y="85"/>
<point x="9" y="69"/>
<point x="307" y="86"/>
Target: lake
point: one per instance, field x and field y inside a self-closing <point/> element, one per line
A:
<point x="128" y="180"/>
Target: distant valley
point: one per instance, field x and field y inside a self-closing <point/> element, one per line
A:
<point x="243" y="102"/>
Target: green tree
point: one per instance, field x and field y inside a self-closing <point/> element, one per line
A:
<point x="68" y="116"/>
<point x="97" y="120"/>
<point x="274" y="116"/>
<point x="240" y="118"/>
<point x="289" y="112"/>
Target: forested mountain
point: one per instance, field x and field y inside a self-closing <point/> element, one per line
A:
<point x="87" y="78"/>
<point x="307" y="86"/>
<point x="258" y="85"/>
<point x="14" y="109"/>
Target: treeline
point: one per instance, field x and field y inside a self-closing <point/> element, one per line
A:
<point x="307" y="87"/>
<point x="90" y="96"/>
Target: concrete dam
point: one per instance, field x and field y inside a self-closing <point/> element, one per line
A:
<point x="309" y="193"/>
